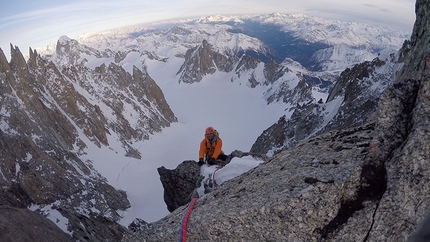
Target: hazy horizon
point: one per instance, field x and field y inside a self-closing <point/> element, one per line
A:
<point x="37" y="23"/>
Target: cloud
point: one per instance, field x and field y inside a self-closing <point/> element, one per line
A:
<point x="385" y="10"/>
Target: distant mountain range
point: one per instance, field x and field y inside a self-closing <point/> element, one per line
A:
<point x="317" y="44"/>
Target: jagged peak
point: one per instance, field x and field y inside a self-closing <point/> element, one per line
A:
<point x="16" y="55"/>
<point x="32" y="52"/>
<point x="3" y="60"/>
<point x="276" y="14"/>
<point x="13" y="47"/>
<point x="63" y="40"/>
<point x="219" y="18"/>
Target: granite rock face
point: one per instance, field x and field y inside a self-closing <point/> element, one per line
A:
<point x="179" y="184"/>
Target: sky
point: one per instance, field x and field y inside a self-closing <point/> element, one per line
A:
<point x="35" y="23"/>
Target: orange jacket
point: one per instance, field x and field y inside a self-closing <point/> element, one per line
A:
<point x="211" y="150"/>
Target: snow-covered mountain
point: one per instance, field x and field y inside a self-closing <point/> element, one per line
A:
<point x="317" y="44"/>
<point x="292" y="34"/>
<point x="91" y="103"/>
<point x="296" y="58"/>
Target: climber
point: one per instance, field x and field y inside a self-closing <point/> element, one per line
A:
<point x="210" y="148"/>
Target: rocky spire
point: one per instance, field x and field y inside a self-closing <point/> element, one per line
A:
<point x="417" y="65"/>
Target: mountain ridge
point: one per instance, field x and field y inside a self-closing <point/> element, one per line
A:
<point x="311" y="31"/>
<point x="46" y="126"/>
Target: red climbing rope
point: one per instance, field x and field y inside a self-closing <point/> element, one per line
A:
<point x="183" y="233"/>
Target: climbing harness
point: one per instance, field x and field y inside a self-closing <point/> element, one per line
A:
<point x="210" y="182"/>
<point x="183" y="229"/>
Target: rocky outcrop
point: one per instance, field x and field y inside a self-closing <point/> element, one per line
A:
<point x="272" y="72"/>
<point x="180" y="184"/>
<point x="61" y="181"/>
<point x="273" y="138"/>
<point x="360" y="88"/>
<point x="37" y="227"/>
<point x="364" y="183"/>
<point x="203" y="60"/>
<point x="68" y="52"/>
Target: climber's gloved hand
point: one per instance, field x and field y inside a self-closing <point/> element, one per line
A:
<point x="201" y="162"/>
<point x="211" y="161"/>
